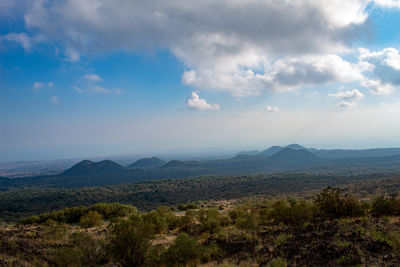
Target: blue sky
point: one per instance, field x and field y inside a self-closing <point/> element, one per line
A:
<point x="96" y="77"/>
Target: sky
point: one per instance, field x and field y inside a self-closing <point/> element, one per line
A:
<point x="97" y="77"/>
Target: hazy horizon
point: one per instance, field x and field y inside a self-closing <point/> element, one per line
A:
<point x="187" y="153"/>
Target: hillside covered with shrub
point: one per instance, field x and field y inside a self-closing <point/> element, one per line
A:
<point x="331" y="229"/>
<point x="18" y="203"/>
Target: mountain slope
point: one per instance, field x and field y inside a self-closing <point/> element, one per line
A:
<point x="89" y="173"/>
<point x="87" y="167"/>
<point x="147" y="163"/>
<point x="295" y="147"/>
<point x="353" y="153"/>
<point x="174" y="163"/>
<point x="270" y="151"/>
<point x="294" y="156"/>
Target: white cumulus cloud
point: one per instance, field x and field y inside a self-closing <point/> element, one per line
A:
<point x="348" y="95"/>
<point x="238" y="46"/>
<point x="378" y="87"/>
<point x="382" y="69"/>
<point x="347" y="104"/>
<point x="388" y="3"/>
<point x="269" y="108"/>
<point x="284" y="74"/>
<point x="195" y="102"/>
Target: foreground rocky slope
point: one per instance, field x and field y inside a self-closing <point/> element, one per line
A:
<point x="333" y="229"/>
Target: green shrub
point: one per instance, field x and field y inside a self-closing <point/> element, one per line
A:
<point x="155" y="255"/>
<point x="92" y="250"/>
<point x="385" y="206"/>
<point x="244" y="219"/>
<point x="73" y="215"/>
<point x="31" y="220"/>
<point x="189" y="206"/>
<point x="210" y="252"/>
<point x="170" y="218"/>
<point x="54" y="230"/>
<point x="69" y="215"/>
<point x="291" y="213"/>
<point x="129" y="241"/>
<point x="156" y="223"/>
<point x="282" y="239"/>
<point x="237" y="213"/>
<point x="67" y="256"/>
<point x="187" y="222"/>
<point x="184" y="250"/>
<point x="278" y="262"/>
<point x="211" y="220"/>
<point x="82" y="250"/>
<point x="113" y="210"/>
<point x="352" y="207"/>
<point x="392" y="238"/>
<point x="351" y="259"/>
<point x="91" y="219"/>
<point x="332" y="204"/>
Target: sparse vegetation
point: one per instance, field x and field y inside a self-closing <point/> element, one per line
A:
<point x="21" y="203"/>
<point x="333" y="229"/>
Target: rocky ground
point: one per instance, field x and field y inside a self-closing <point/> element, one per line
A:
<point x="343" y="242"/>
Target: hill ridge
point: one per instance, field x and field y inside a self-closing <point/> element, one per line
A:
<point x="147" y="163"/>
<point x="88" y="167"/>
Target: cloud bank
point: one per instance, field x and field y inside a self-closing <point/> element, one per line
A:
<point x="242" y="47"/>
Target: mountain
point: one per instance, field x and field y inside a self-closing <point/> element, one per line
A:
<point x="337" y="153"/>
<point x="356" y="153"/>
<point x="174" y="163"/>
<point x="87" y="167"/>
<point x="295" y="147"/>
<point x="147" y="163"/>
<point x="243" y="157"/>
<point x="274" y="159"/>
<point x="294" y="156"/>
<point x="270" y="151"/>
<point x="274" y="149"/>
<point x="246" y="153"/>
